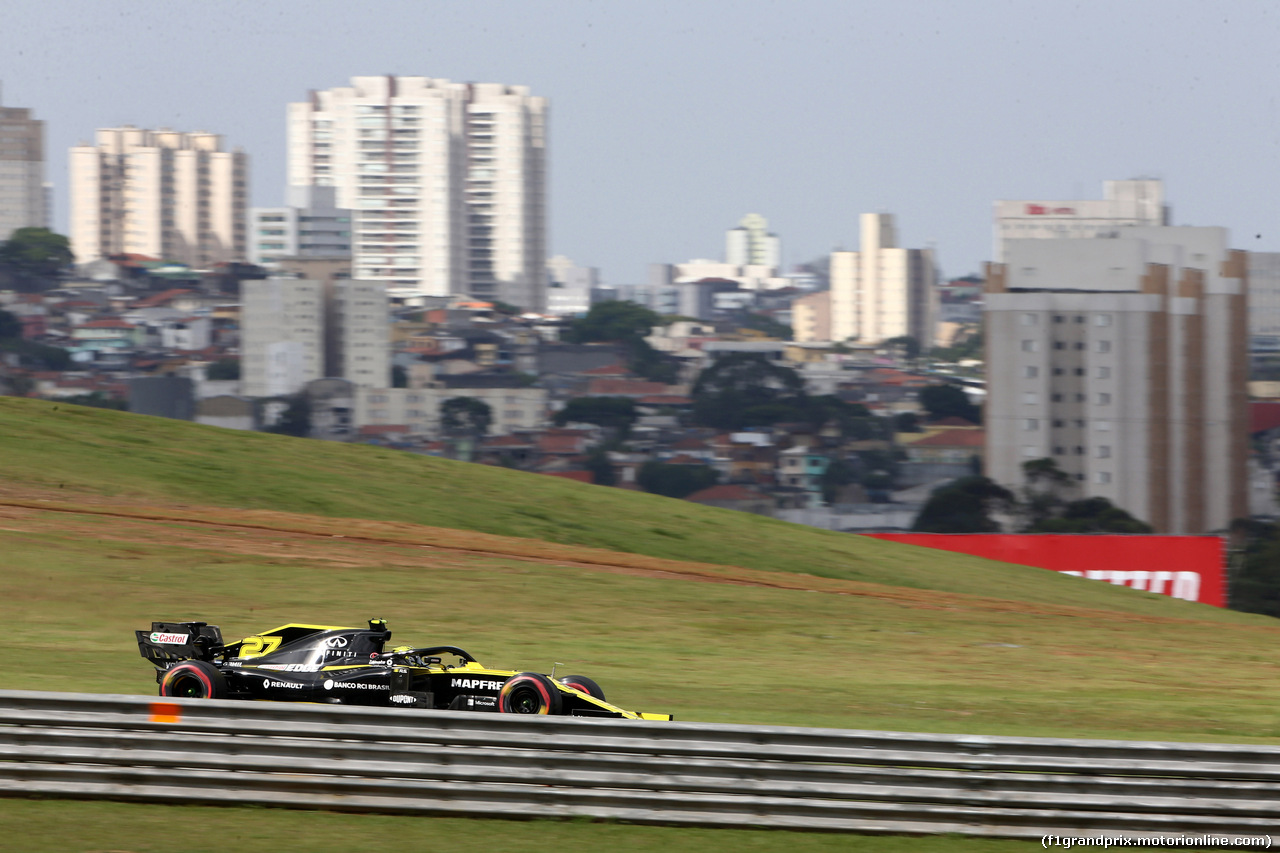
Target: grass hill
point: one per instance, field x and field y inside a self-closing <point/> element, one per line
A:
<point x="109" y="520"/>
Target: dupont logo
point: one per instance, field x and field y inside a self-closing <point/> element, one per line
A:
<point x="169" y="639"/>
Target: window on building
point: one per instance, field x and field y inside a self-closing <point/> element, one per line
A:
<point x="1059" y="451"/>
<point x="1104" y="346"/>
<point x="1102" y="426"/>
<point x="1104" y="398"/>
<point x="1104" y="373"/>
<point x="1079" y="344"/>
<point x="1030" y="451"/>
<point x="1057" y="398"/>
<point x="1102" y="320"/>
<point x="1030" y="371"/>
<point x="1079" y="318"/>
<point x="1029" y="319"/>
<point x="1031" y="346"/>
<point x="1079" y="371"/>
<point x="1079" y="450"/>
<point x="1104" y="451"/>
<point x="1102" y="477"/>
<point x="1031" y="424"/>
<point x="1057" y="371"/>
<point x="1030" y="397"/>
<point x="1059" y="345"/>
<point x="1058" y="318"/>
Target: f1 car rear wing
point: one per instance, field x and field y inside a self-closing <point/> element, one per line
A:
<point x="168" y="642"/>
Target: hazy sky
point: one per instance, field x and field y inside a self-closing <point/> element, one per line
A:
<point x="671" y="120"/>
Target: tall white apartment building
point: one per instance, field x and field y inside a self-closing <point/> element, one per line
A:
<point x="281" y="335"/>
<point x="162" y="193"/>
<point x="447" y="182"/>
<point x="295" y="330"/>
<point x="1124" y="360"/>
<point x="1124" y="204"/>
<point x="22" y="192"/>
<point x="882" y="291"/>
<point x="752" y="244"/>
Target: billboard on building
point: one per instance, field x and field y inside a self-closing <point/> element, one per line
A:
<point x="1188" y="567"/>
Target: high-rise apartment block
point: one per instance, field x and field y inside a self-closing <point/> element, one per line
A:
<point x="295" y="330"/>
<point x="570" y="286"/>
<point x="169" y="195"/>
<point x="446" y="181"/>
<point x="310" y="225"/>
<point x="882" y="291"/>
<point x="751" y="243"/>
<point x="22" y="190"/>
<point x="1264" y="301"/>
<point x="1124" y="204"/>
<point x="1124" y="360"/>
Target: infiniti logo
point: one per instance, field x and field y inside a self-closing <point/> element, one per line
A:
<point x="336" y="642"/>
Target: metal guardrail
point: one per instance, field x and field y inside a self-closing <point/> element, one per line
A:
<point x="343" y="757"/>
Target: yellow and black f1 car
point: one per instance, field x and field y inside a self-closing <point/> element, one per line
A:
<point x="348" y="666"/>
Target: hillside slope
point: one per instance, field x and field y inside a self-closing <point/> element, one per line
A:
<point x="72" y="452"/>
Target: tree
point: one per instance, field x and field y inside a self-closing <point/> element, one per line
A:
<point x="601" y="468"/>
<point x="840" y="474"/>
<point x="1092" y="515"/>
<point x="613" y="321"/>
<point x="1046" y="509"/>
<point x="741" y="389"/>
<point x="32" y="257"/>
<point x="767" y="325"/>
<point x="223" y="368"/>
<point x="615" y="413"/>
<point x="296" y="419"/>
<point x="947" y="401"/>
<point x="1254" y="585"/>
<point x="909" y="345"/>
<point x="1043" y="493"/>
<point x="964" y="506"/>
<point x="628" y="324"/>
<point x="906" y="422"/>
<point x="465" y="416"/>
<point x="675" y="481"/>
<point x="10" y="326"/>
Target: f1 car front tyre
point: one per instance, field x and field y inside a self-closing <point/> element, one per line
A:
<point x="529" y="693"/>
<point x="194" y="679"/>
<point x="586" y="685"/>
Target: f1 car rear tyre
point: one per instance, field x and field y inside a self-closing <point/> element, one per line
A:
<point x="194" y="679"/>
<point x="529" y="693"/>
<point x="586" y="685"/>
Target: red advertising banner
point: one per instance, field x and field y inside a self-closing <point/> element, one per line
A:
<point x="1188" y="567"/>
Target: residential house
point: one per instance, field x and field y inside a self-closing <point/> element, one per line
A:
<point x="735" y="496"/>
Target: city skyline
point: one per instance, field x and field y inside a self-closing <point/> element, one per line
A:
<point x="673" y="122"/>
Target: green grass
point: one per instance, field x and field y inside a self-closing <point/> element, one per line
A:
<point x="46" y="826"/>
<point x="975" y="646"/>
<point x="709" y="652"/>
<point x="78" y="449"/>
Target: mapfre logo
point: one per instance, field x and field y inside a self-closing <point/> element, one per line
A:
<point x="476" y="684"/>
<point x="336" y="642"/>
<point x="169" y="639"/>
